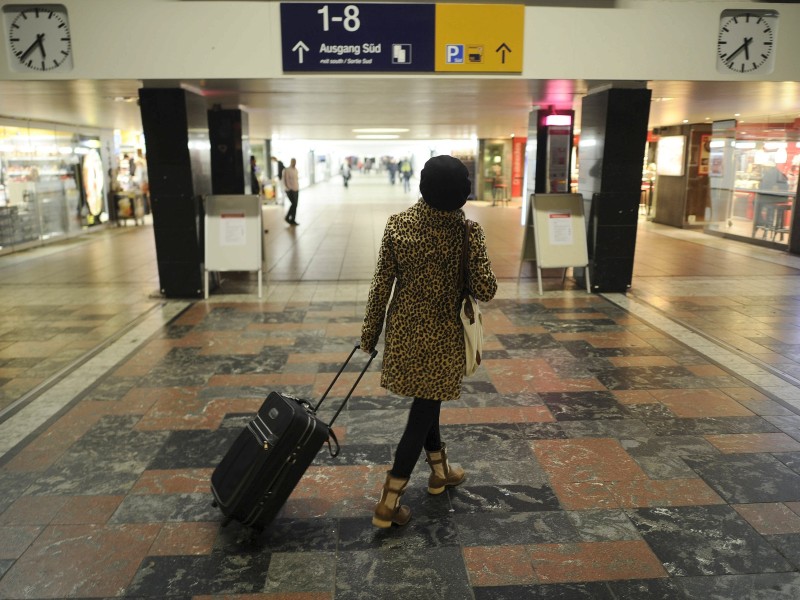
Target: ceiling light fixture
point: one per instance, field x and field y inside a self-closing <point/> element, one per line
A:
<point x="381" y="130"/>
<point x="377" y="137"/>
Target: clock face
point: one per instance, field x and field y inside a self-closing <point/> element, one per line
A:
<point x="746" y="42"/>
<point x="38" y="37"/>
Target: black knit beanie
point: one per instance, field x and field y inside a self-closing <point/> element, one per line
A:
<point x="444" y="183"/>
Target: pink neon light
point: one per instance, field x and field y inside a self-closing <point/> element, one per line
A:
<point x="557" y="120"/>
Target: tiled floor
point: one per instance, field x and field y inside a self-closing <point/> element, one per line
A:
<point x="622" y="446"/>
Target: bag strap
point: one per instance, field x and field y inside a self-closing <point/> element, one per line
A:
<point x="466" y="299"/>
<point x="464" y="266"/>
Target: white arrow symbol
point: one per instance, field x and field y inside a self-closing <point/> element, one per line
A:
<point x="300" y="47"/>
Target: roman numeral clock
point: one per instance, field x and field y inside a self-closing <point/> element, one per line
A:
<point x="746" y="41"/>
<point x="37" y="38"/>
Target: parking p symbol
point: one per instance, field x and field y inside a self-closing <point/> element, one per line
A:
<point x="454" y="53"/>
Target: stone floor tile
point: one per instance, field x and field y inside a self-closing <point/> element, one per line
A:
<point x="102" y="560"/>
<point x="270" y="596"/>
<point x="634" y="396"/>
<point x="78" y="510"/>
<point x="700" y="403"/>
<point x="301" y="572"/>
<point x="602" y="525"/>
<point x="647" y="589"/>
<point x="173" y="481"/>
<point x="16" y="539"/>
<point x="705" y="540"/>
<point x="580" y="406"/>
<point x="584" y="495"/>
<point x="648" y="378"/>
<point x="585" y="460"/>
<point x="185" y="539"/>
<point x="770" y="519"/>
<point x="769" y="586"/>
<point x="160" y="508"/>
<point x="754" y="442"/>
<point x="367" y="575"/>
<point x="748" y="478"/>
<point x="595" y="561"/>
<point x="335" y="491"/>
<point x="499" y="565"/>
<point x="526" y="414"/>
<point x="670" y="492"/>
<point x="509" y="528"/>
<point x="213" y="574"/>
<point x="32" y="510"/>
<point x="552" y="591"/>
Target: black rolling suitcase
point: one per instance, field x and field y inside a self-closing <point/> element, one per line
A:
<point x="263" y="465"/>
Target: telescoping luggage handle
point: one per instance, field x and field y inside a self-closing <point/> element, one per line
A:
<point x="331" y="434"/>
<point x="372" y="355"/>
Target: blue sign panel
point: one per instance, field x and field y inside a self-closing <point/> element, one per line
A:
<point x="358" y="37"/>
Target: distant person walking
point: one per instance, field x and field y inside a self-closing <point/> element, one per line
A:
<point x="346" y="173"/>
<point x="255" y="184"/>
<point x="279" y="167"/>
<point x="291" y="183"/>
<point x="406" y="172"/>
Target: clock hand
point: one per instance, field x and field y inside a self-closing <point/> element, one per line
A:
<point x="740" y="49"/>
<point x="27" y="52"/>
<point x="40" y="40"/>
<point x="746" y="46"/>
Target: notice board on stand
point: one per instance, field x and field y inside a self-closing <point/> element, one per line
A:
<point x="234" y="237"/>
<point x="559" y="229"/>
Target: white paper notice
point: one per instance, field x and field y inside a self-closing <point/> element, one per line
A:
<point x="233" y="231"/>
<point x="560" y="226"/>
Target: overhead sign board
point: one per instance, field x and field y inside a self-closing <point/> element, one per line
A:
<point x="474" y="38"/>
<point x="337" y="37"/>
<point x="398" y="38"/>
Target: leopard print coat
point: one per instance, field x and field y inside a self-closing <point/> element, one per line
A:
<point x="419" y="255"/>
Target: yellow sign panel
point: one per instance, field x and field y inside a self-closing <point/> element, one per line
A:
<point x="479" y="38"/>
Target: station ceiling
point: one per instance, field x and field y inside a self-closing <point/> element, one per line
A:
<point x="330" y="108"/>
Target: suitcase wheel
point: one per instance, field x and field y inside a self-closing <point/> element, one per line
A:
<point x="214" y="504"/>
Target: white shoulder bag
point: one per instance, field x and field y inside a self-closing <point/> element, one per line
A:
<point x="470" y="313"/>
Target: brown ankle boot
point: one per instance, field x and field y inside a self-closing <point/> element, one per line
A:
<point x="443" y="474"/>
<point x="389" y="510"/>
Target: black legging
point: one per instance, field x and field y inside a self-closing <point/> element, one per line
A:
<point x="421" y="431"/>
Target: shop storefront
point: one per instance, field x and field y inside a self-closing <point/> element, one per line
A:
<point x="52" y="183"/>
<point x="494" y="175"/>
<point x="129" y="198"/>
<point x="753" y="177"/>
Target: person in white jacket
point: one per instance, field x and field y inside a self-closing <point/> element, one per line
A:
<point x="291" y="183"/>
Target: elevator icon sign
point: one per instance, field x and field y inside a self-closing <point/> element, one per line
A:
<point x="401" y="54"/>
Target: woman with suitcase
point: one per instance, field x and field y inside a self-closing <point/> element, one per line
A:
<point x="424" y="355"/>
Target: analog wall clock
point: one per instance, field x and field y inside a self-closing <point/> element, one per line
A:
<point x="746" y="41"/>
<point x="37" y="37"/>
